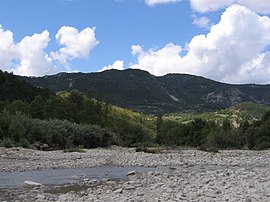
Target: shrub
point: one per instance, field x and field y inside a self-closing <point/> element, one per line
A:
<point x="24" y="143"/>
<point x="20" y="130"/>
<point x="7" y="142"/>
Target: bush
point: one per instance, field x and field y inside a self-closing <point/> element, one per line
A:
<point x="7" y="142"/>
<point x="263" y="145"/>
<point x="76" y="149"/>
<point x="20" y="130"/>
<point x="224" y="140"/>
<point x="24" y="143"/>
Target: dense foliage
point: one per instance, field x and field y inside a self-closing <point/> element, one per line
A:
<point x="71" y="119"/>
<point x="209" y="134"/>
<point x="65" y="118"/>
<point x="20" y="130"/>
<point x="13" y="88"/>
<point x="77" y="113"/>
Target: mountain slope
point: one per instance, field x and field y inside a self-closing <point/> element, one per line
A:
<point x="141" y="91"/>
<point x="13" y="88"/>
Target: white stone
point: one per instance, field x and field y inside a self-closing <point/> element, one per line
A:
<point x="31" y="183"/>
<point x="41" y="197"/>
<point x="118" y="191"/>
<point x="131" y="173"/>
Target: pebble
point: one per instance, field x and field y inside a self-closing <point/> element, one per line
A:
<point x="118" y="191"/>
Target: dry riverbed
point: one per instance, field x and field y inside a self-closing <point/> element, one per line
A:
<point x="186" y="175"/>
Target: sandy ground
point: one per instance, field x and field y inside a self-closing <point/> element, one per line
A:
<point x="230" y="175"/>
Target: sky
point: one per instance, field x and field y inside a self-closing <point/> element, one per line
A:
<point x="224" y="40"/>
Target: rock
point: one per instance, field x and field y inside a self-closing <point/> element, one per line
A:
<point x="129" y="187"/>
<point x="31" y="183"/>
<point x="111" y="183"/>
<point x="83" y="175"/>
<point x="93" y="181"/>
<point x="172" y="168"/>
<point x="118" y="191"/>
<point x="131" y="173"/>
<point x="151" y="173"/>
<point x="74" y="177"/>
<point x="44" y="147"/>
<point x="156" y="173"/>
<point x="41" y="197"/>
<point x="218" y="192"/>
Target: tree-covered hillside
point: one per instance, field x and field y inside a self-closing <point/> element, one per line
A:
<point x="245" y="111"/>
<point x="29" y="114"/>
<point x="143" y="92"/>
<point x="13" y="88"/>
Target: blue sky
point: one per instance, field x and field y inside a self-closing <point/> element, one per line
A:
<point x="160" y="36"/>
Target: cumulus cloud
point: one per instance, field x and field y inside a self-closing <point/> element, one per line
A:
<point x="76" y="44"/>
<point x="259" y="6"/>
<point x="230" y="52"/>
<point x="136" y="49"/>
<point x="155" y="2"/>
<point x="28" y="57"/>
<point x="7" y="48"/>
<point x="33" y="59"/>
<point x="118" y="64"/>
<point x="159" y="62"/>
<point x="202" y="22"/>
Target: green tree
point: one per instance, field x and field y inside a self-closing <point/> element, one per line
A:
<point x="38" y="107"/>
<point x="18" y="106"/>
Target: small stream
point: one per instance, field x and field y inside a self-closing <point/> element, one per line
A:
<point x="9" y="180"/>
<point x="67" y="176"/>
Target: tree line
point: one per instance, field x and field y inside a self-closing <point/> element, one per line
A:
<point x="69" y="119"/>
<point x="211" y="135"/>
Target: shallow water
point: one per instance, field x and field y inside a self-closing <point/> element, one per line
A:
<point x="67" y="176"/>
<point x="75" y="176"/>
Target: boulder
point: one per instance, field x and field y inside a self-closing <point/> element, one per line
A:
<point x="31" y="183"/>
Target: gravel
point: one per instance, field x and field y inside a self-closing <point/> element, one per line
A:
<point x="193" y="175"/>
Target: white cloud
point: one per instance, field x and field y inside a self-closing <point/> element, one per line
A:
<point x="259" y="6"/>
<point x="118" y="64"/>
<point x="136" y="49"/>
<point x="33" y="59"/>
<point x="233" y="51"/>
<point x="76" y="44"/>
<point x="28" y="57"/>
<point x="203" y="22"/>
<point x="7" y="48"/>
<point x="155" y="2"/>
<point x="159" y="62"/>
<point x="210" y="5"/>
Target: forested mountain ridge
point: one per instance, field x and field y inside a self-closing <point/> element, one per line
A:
<point x="141" y="91"/>
<point x="13" y="88"/>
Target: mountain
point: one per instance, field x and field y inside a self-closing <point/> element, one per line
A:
<point x="13" y="88"/>
<point x="141" y="91"/>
